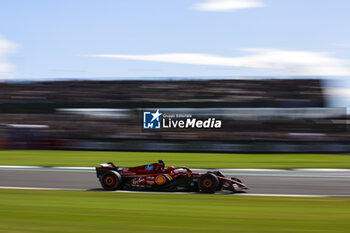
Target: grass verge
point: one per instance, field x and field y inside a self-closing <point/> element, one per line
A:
<point x="193" y="160"/>
<point x="74" y="211"/>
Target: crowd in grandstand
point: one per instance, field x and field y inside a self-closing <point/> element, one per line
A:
<point x="15" y="124"/>
<point x="85" y="127"/>
<point x="259" y="92"/>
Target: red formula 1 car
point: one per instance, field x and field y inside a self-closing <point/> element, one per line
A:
<point x="155" y="177"/>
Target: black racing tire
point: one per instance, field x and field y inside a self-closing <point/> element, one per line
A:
<point x="111" y="180"/>
<point x="236" y="179"/>
<point x="208" y="183"/>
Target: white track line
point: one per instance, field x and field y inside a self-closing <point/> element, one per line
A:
<point x="37" y="188"/>
<point x="172" y="193"/>
<point x="287" y="195"/>
<point x="29" y="167"/>
<point x="79" y="168"/>
<point x="248" y="169"/>
<point x="38" y="167"/>
<point x="323" y="169"/>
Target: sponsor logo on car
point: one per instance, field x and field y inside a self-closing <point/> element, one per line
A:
<point x="150" y="182"/>
<point x="160" y="179"/>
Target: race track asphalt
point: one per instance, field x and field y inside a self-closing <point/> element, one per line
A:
<point x="293" y="182"/>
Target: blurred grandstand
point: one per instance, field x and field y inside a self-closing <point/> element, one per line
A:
<point x="267" y="115"/>
<point x="230" y="93"/>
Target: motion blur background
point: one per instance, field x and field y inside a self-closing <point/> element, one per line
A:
<point x="75" y="77"/>
<point x="259" y="115"/>
<point x="77" y="74"/>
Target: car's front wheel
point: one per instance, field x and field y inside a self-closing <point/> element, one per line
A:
<point x="111" y="180"/>
<point x="208" y="183"/>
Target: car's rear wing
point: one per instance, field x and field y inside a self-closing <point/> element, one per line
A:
<point x="105" y="167"/>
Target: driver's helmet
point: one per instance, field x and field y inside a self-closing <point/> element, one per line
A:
<point x="161" y="164"/>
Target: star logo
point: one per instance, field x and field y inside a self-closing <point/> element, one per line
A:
<point x="156" y="115"/>
<point x="151" y="120"/>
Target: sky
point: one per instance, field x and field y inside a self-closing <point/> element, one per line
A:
<point x="45" y="40"/>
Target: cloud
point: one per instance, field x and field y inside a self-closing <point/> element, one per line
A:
<point x="227" y="5"/>
<point x="6" y="47"/>
<point x="284" y="62"/>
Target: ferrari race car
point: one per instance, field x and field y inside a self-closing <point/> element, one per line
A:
<point x="155" y="177"/>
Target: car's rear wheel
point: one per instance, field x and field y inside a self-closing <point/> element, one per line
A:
<point x="208" y="183"/>
<point x="111" y="180"/>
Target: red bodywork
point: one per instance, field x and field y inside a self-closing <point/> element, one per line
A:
<point x="155" y="176"/>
